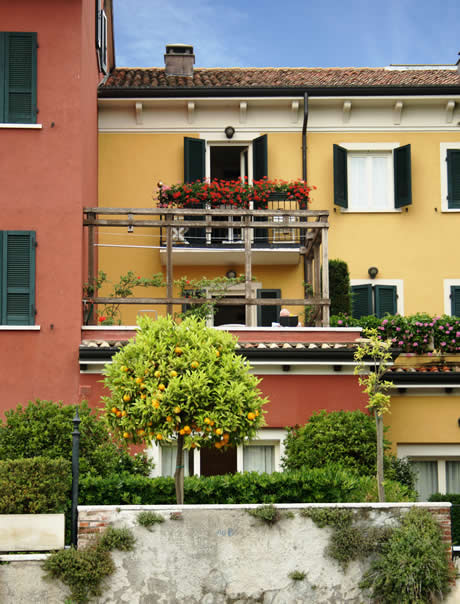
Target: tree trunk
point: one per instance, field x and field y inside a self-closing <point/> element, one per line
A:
<point x="380" y="477"/>
<point x="179" y="473"/>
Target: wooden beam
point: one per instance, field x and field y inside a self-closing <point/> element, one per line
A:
<point x="233" y="301"/>
<point x="200" y="212"/>
<point x="125" y="222"/>
<point x="169" y="271"/>
<point x="248" y="270"/>
<point x="325" y="275"/>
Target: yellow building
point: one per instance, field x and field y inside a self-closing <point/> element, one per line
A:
<point x="382" y="148"/>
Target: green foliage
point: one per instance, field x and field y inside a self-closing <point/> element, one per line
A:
<point x="454" y="499"/>
<point x="147" y="518"/>
<point x="266" y="513"/>
<point x="84" y="570"/>
<point x="328" y="484"/>
<point x="44" y="428"/>
<point x="356" y="543"/>
<point x="297" y="575"/>
<point x="394" y="491"/>
<point x="344" y="437"/>
<point x="335" y="517"/>
<point x="182" y="380"/>
<point x="400" y="470"/>
<point x="413" y="566"/>
<point x="416" y="334"/>
<point x="339" y="287"/>
<point x="34" y="486"/>
<point x="121" y="539"/>
<point x="200" y="288"/>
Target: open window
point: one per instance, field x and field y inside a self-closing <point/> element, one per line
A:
<point x="372" y="180"/>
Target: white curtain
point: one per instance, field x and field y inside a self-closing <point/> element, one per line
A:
<point x="168" y="461"/>
<point x="453" y="476"/>
<point x="427" y="479"/>
<point x="259" y="458"/>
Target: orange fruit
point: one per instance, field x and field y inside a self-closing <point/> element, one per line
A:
<point x="257" y="413"/>
<point x="124" y="368"/>
<point x="182" y="431"/>
<point x="149" y="424"/>
<point x="211" y="423"/>
<point x="218" y="445"/>
<point x="118" y="413"/>
<point x="157" y="374"/>
<point x="142" y="386"/>
<point x="178" y="350"/>
<point x="217" y="353"/>
<point x="126" y="434"/>
<point x="226" y="437"/>
<point x="176" y="410"/>
<point x="194" y="364"/>
<point x="218" y="431"/>
<point x="127" y="398"/>
<point x="114" y="409"/>
<point x="141" y="432"/>
<point x="159" y="436"/>
<point x="207" y="420"/>
<point x="187" y="429"/>
<point x="143" y="396"/>
<point x="193" y="446"/>
<point x="168" y="418"/>
<point x="173" y="373"/>
<point x="138" y="380"/>
<point x="251" y="415"/>
<point x="161" y="387"/>
<point x="124" y="413"/>
<point x="155" y="403"/>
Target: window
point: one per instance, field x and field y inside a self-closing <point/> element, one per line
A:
<point x="452" y="297"/>
<point x="266" y="315"/>
<point x="18" y="77"/>
<point x="372" y="177"/>
<point x="259" y="458"/>
<point x="101" y="38"/>
<point x="371" y="298"/>
<point x="17" y="277"/>
<point x="450" y="177"/>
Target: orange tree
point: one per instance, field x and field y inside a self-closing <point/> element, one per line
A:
<point x="182" y="384"/>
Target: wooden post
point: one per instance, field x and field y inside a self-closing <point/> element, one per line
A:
<point x="91" y="312"/>
<point x="325" y="262"/>
<point x="169" y="269"/>
<point x="317" y="278"/>
<point x="248" y="270"/>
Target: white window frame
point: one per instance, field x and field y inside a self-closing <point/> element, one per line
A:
<point x="355" y="149"/>
<point x="266" y="437"/>
<point x="444" y="147"/>
<point x="447" y="300"/>
<point x="438" y="453"/>
<point x="399" y="283"/>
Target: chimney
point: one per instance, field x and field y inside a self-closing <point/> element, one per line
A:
<point x="179" y="60"/>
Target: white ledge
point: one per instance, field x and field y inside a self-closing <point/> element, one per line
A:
<point x="19" y="327"/>
<point x="24" y="126"/>
<point x="110" y="327"/>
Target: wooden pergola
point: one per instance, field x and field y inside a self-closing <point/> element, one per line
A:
<point x="312" y="227"/>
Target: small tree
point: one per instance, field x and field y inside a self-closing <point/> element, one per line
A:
<point x="339" y="287"/>
<point x="377" y="353"/>
<point x="183" y="384"/>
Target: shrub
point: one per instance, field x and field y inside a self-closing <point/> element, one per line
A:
<point x="266" y="513"/>
<point x="148" y="518"/>
<point x="344" y="437"/>
<point x="454" y="498"/>
<point x="339" y="287"/>
<point x="84" y="570"/>
<point x="34" y="486"/>
<point x="318" y="485"/>
<point x="413" y="566"/>
<point x="44" y="428"/>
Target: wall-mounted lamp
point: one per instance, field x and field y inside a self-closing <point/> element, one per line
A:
<point x="230" y="274"/>
<point x="229" y="131"/>
<point x="373" y="270"/>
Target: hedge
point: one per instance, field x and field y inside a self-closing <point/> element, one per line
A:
<point x="318" y="485"/>
<point x="37" y="485"/>
<point x="454" y="499"/>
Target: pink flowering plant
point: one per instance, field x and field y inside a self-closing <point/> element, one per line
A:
<point x="416" y="334"/>
<point x="231" y="193"/>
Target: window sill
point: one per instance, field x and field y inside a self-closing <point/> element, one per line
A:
<point x="352" y="211"/>
<point x="19" y="327"/>
<point x="23" y="126"/>
<point x="450" y="210"/>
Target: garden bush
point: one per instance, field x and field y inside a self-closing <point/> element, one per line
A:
<point x="339" y="287"/>
<point x="44" y="428"/>
<point x="328" y="484"/>
<point x="37" y="485"/>
<point x="413" y="566"/>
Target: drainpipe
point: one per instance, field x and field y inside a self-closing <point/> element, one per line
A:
<point x="306" y="276"/>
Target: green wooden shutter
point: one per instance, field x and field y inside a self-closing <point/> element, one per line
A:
<point x="402" y="176"/>
<point x="260" y="157"/>
<point x="340" y="176"/>
<point x="3" y="37"/>
<point x="266" y="315"/>
<point x="453" y="178"/>
<point x="194" y="159"/>
<point x="385" y="300"/>
<point x="361" y="300"/>
<point x="21" y="78"/>
<point x="18" y="278"/>
<point x="260" y="169"/>
<point x="455" y="300"/>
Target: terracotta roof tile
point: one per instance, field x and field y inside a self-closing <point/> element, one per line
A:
<point x="284" y="77"/>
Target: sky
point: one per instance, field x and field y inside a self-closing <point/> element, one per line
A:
<point x="289" y="33"/>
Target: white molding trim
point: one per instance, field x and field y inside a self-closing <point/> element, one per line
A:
<point x="351" y="146"/>
<point x="450" y="106"/>
<point x="443" y="157"/>
<point x="399" y="289"/>
<point x="190" y="112"/>
<point x="138" y="111"/>
<point x="295" y="111"/>
<point x="19" y="327"/>
<point x="397" y="110"/>
<point x="447" y="301"/>
<point x="429" y="450"/>
<point x="243" y="111"/>
<point x="267" y="129"/>
<point x="23" y="126"/>
<point x="346" y="111"/>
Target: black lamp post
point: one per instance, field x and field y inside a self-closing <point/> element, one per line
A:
<point x="75" y="472"/>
